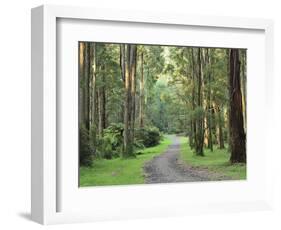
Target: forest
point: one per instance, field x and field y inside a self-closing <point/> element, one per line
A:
<point x="141" y="106"/>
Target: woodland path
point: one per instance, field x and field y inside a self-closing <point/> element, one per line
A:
<point x="168" y="168"/>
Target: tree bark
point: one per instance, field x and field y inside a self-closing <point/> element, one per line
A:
<point x="243" y="86"/>
<point x="126" y="147"/>
<point x="86" y="101"/>
<point x="237" y="134"/>
<point x="220" y="129"/>
<point x="133" y="65"/>
<point x="81" y="79"/>
<point x="93" y="84"/>
<point x="209" y="107"/>
<point x="200" y="120"/>
<point x="193" y="121"/>
<point x="129" y="107"/>
<point x="101" y="103"/>
<point x="101" y="91"/>
<point x="123" y="70"/>
<point x="141" y="112"/>
<point x="123" y="61"/>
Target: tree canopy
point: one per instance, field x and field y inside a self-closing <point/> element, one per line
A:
<point x="130" y="94"/>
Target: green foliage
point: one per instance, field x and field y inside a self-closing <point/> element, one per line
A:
<point x="106" y="148"/>
<point x="110" y="144"/>
<point x="171" y="101"/>
<point x="115" y="133"/>
<point x="86" y="150"/>
<point x="198" y="113"/>
<point x="108" y="75"/>
<point x="164" y="109"/>
<point x="120" y="171"/>
<point x="148" y="136"/>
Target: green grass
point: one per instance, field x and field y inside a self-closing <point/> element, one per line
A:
<point x="216" y="161"/>
<point x="120" y="171"/>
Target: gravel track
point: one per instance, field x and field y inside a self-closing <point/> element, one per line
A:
<point x="167" y="167"/>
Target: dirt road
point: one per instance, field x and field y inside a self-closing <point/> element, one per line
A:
<point x="168" y="168"/>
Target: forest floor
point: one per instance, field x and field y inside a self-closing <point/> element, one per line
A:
<point x="121" y="171"/>
<point x="179" y="164"/>
<point x="215" y="162"/>
<point x="170" y="161"/>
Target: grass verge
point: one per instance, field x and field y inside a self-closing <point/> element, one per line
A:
<point x="216" y="161"/>
<point x="120" y="171"/>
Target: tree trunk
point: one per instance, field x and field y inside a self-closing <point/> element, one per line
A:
<point x="243" y="86"/>
<point x="129" y="106"/>
<point x="123" y="70"/>
<point x="81" y="82"/>
<point x="141" y="112"/>
<point x="93" y="85"/>
<point x="237" y="134"/>
<point x="126" y="147"/>
<point x="219" y="125"/>
<point x="123" y="61"/>
<point x="86" y="85"/>
<point x="200" y="119"/>
<point x="209" y="107"/>
<point x="133" y="65"/>
<point x="220" y="129"/>
<point x="191" y="135"/>
<point x="210" y="124"/>
<point x="193" y="121"/>
<point x="101" y="104"/>
<point x="206" y="132"/>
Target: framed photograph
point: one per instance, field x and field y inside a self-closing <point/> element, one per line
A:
<point x="146" y="114"/>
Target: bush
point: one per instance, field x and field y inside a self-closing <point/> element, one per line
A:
<point x="112" y="140"/>
<point x="110" y="144"/>
<point x="149" y="136"/>
<point x="106" y="150"/>
<point x="85" y="149"/>
<point x="138" y="146"/>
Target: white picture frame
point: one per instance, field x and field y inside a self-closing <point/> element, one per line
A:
<point x="46" y="166"/>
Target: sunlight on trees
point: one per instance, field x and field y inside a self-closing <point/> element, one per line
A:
<point x="130" y="94"/>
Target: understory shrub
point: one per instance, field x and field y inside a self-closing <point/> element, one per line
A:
<point x="149" y="136"/>
<point x="138" y="146"/>
<point x="110" y="144"/>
